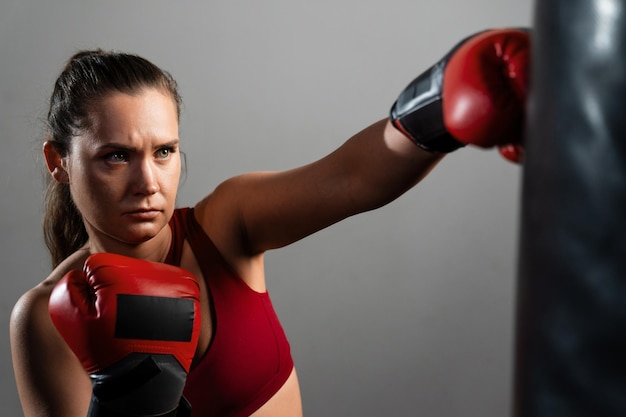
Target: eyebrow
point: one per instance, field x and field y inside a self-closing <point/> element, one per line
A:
<point x="119" y="146"/>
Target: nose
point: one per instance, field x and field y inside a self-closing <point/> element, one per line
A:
<point x="146" y="178"/>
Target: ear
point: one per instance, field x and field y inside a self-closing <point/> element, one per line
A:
<point x="55" y="162"/>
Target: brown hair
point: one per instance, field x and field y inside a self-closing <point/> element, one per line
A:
<point x="87" y="77"/>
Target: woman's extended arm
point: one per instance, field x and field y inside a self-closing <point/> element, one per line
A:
<point x="475" y="95"/>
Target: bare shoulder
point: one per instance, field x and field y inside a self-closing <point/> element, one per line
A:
<point x="33" y="304"/>
<point x="222" y="212"/>
<point x="30" y="325"/>
<point x="232" y="193"/>
<point x="30" y="313"/>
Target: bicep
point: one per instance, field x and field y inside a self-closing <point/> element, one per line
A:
<point x="50" y="379"/>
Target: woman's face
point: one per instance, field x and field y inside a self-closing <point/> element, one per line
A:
<point x="124" y="170"/>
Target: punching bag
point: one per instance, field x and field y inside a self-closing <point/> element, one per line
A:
<point x="570" y="358"/>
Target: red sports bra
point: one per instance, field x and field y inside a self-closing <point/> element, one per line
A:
<point x="249" y="358"/>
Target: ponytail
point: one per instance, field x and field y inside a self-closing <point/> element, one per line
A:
<point x="63" y="228"/>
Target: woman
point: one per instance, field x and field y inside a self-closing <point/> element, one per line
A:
<point x="114" y="158"/>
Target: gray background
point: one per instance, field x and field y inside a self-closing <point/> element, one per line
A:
<point x="404" y="311"/>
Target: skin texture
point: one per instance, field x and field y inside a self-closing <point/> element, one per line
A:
<point x="123" y="174"/>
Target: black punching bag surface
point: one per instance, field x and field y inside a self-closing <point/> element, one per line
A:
<point x="570" y="356"/>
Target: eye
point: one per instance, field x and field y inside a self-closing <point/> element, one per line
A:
<point x="116" y="157"/>
<point x="164" y="153"/>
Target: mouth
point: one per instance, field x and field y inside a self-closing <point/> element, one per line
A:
<point x="143" y="213"/>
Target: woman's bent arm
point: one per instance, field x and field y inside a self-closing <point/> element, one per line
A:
<point x="50" y="380"/>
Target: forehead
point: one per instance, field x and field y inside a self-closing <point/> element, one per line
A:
<point x="147" y="114"/>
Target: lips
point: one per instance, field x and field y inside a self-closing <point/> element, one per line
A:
<point x="143" y="213"/>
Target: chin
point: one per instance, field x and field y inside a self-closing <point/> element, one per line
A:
<point x="143" y="237"/>
<point x="138" y="234"/>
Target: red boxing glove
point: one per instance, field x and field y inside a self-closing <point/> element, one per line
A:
<point x="134" y="325"/>
<point x="475" y="95"/>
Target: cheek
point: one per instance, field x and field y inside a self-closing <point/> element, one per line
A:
<point x="169" y="189"/>
<point x="90" y="191"/>
<point x="92" y="197"/>
<point x="171" y="178"/>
